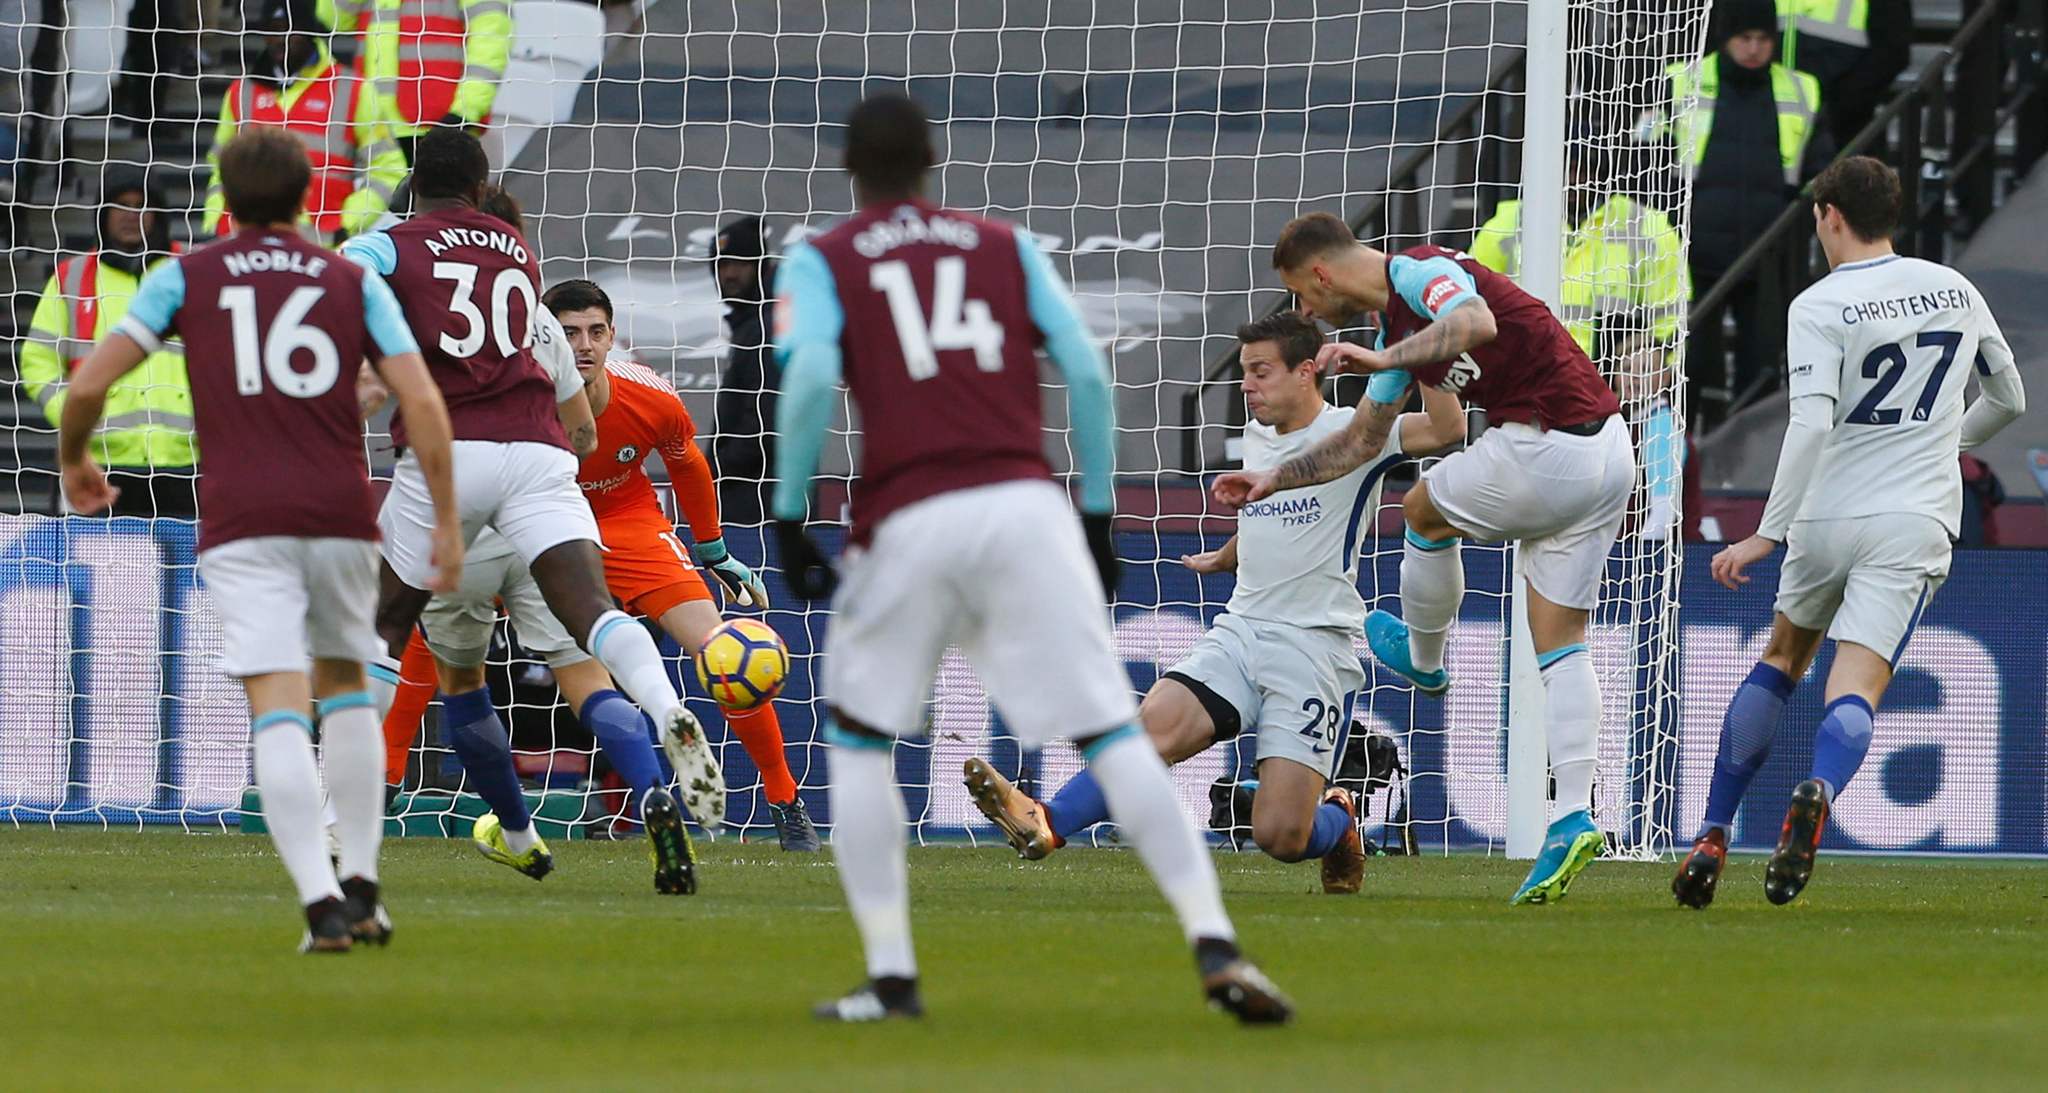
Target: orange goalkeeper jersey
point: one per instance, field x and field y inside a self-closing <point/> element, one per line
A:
<point x="645" y="415"/>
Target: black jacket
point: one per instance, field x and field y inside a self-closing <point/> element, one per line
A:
<point x="1856" y="80"/>
<point x="743" y="449"/>
<point x="1739" y="188"/>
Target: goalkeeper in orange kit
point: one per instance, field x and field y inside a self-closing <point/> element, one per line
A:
<point x="646" y="566"/>
<point x="647" y="569"/>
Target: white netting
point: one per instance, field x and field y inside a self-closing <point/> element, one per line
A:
<point x="1156" y="148"/>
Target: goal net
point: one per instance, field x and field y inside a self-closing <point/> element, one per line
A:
<point x="1154" y="149"/>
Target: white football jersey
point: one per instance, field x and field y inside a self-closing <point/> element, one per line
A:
<point x="1297" y="551"/>
<point x="1893" y="341"/>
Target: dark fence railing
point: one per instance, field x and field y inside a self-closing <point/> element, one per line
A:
<point x="1987" y="78"/>
<point x="1400" y="216"/>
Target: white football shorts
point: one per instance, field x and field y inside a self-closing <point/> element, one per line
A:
<point x="458" y="626"/>
<point x="283" y="600"/>
<point x="525" y="489"/>
<point x="1865" y="579"/>
<point x="1562" y="496"/>
<point x="1294" y="685"/>
<point x="1001" y="571"/>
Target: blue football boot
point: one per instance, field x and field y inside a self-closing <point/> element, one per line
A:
<point x="1569" y="846"/>
<point x="1388" y="636"/>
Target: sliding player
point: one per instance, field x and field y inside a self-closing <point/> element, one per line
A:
<point x="960" y="537"/>
<point x="467" y="283"/>
<point x="1867" y="495"/>
<point x="645" y="565"/>
<point x="274" y="329"/>
<point x="455" y="630"/>
<point x="1287" y="646"/>
<point x="1554" y="471"/>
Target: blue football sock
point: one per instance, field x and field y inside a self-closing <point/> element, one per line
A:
<point x="480" y="739"/>
<point x="1078" y="806"/>
<point x="1843" y="741"/>
<point x="622" y="732"/>
<point x="1331" y="824"/>
<point x="1746" y="731"/>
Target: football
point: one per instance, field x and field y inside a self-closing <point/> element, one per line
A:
<point x="742" y="663"/>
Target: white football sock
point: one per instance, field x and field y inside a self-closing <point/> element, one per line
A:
<point x="288" y="780"/>
<point x="1572" y="722"/>
<point x="626" y="650"/>
<point x="1432" y="585"/>
<point x="352" y="758"/>
<point x="1146" y="811"/>
<point x="522" y="840"/>
<point x="868" y="844"/>
<point x="382" y="674"/>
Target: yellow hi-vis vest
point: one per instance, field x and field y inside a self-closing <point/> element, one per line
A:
<point x="1623" y="266"/>
<point x="1844" y="21"/>
<point x="148" y="420"/>
<point x="428" y="58"/>
<point x="1691" y="121"/>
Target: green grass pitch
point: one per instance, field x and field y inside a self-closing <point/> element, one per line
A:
<point x="166" y="960"/>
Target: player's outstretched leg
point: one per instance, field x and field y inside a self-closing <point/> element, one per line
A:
<point x="1572" y="721"/>
<point x="1432" y="585"/>
<point x="868" y="844"/>
<point x="1746" y="731"/>
<point x="1025" y="822"/>
<point x="571" y="578"/>
<point x="1142" y="802"/>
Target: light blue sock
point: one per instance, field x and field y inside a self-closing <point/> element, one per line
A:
<point x="1843" y="741"/>
<point x="1746" y="732"/>
<point x="1078" y="806"/>
<point x="486" y="750"/>
<point x="622" y="732"/>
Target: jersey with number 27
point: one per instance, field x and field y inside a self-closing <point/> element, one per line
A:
<point x="274" y="329"/>
<point x="948" y="400"/>
<point x="1892" y="341"/>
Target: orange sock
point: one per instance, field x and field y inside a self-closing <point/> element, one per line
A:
<point x="760" y="732"/>
<point x="415" y="692"/>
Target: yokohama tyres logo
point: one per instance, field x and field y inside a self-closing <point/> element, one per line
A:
<point x="1439" y="292"/>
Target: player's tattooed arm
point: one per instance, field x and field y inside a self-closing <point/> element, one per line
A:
<point x="1338" y="455"/>
<point x="579" y="423"/>
<point x="1465" y="328"/>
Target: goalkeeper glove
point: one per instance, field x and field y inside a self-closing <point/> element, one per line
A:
<point x="1102" y="546"/>
<point x="809" y="572"/>
<point x="741" y="585"/>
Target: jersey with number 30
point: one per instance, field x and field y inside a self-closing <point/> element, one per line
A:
<point x="1892" y="341"/>
<point x="470" y="289"/>
<point x="274" y="329"/>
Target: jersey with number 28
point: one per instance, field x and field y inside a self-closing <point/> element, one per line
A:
<point x="274" y="329"/>
<point x="1893" y="341"/>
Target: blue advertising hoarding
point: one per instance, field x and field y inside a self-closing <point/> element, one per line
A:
<point x="112" y="708"/>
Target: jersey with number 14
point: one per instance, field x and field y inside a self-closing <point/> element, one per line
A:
<point x="950" y="400"/>
<point x="1892" y="342"/>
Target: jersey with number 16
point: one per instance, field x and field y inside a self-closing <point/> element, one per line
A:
<point x="1892" y="341"/>
<point x="274" y="329"/>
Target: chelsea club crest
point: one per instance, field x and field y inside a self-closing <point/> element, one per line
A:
<point x="628" y="454"/>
